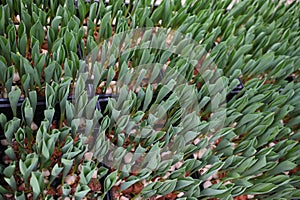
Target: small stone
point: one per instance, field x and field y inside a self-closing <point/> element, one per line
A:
<point x="102" y="84"/>
<point x="118" y="182"/>
<point x="172" y="168"/>
<point x="95" y="174"/>
<point x="180" y="194"/>
<point x="45" y="172"/>
<point x="18" y="18"/>
<point x="29" y="196"/>
<point x="166" y="176"/>
<point x="4" y="94"/>
<point x="79" y="167"/>
<point x="33" y="126"/>
<point x="215" y="175"/>
<point x="70" y="179"/>
<point x="88" y="156"/>
<point x="272" y="144"/>
<point x="16" y="77"/>
<point x="4" y="142"/>
<point x="227" y="182"/>
<point x="234" y="125"/>
<point x="201" y="152"/>
<point x="128" y="158"/>
<point x="7" y="162"/>
<point x="205" y="169"/>
<point x="44" y="51"/>
<point x="197" y="140"/>
<point x="178" y="165"/>
<point x="109" y="90"/>
<point x="8" y="195"/>
<point x="207" y="184"/>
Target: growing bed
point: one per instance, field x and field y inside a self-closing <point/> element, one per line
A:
<point x="144" y="100"/>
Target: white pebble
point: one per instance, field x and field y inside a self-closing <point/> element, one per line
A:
<point x="88" y="156"/>
<point x="70" y="179"/>
<point x="45" y="173"/>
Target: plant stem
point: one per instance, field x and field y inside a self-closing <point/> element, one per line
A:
<point x="128" y="8"/>
<point x="103" y="195"/>
<point x="61" y="120"/>
<point x="3" y="87"/>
